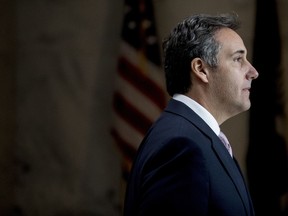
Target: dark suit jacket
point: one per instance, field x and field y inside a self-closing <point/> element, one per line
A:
<point x="182" y="168"/>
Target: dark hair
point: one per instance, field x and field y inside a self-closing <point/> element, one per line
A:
<point x="192" y="38"/>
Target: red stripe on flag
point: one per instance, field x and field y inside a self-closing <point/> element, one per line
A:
<point x="127" y="149"/>
<point x="130" y="114"/>
<point x="128" y="153"/>
<point x="143" y="83"/>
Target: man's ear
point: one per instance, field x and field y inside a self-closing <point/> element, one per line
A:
<point x="199" y="69"/>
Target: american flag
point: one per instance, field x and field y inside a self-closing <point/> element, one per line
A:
<point x="139" y="92"/>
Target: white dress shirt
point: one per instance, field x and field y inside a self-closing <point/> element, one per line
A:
<point x="199" y="110"/>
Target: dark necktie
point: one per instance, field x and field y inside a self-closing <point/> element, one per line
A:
<point x="226" y="143"/>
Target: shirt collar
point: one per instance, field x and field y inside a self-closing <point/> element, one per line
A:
<point x="199" y="110"/>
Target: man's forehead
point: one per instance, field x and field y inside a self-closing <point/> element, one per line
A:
<point x="230" y="40"/>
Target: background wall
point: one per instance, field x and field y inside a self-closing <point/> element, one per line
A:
<point x="58" y="64"/>
<point x="7" y="103"/>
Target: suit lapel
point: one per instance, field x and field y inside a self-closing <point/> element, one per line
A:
<point x="233" y="171"/>
<point x="247" y="192"/>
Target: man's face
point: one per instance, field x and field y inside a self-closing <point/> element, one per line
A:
<point x="234" y="74"/>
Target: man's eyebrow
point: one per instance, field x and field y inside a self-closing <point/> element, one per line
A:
<point x="239" y="52"/>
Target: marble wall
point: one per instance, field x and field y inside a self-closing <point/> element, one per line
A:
<point x="66" y="161"/>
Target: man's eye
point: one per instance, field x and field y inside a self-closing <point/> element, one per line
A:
<point x="238" y="59"/>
